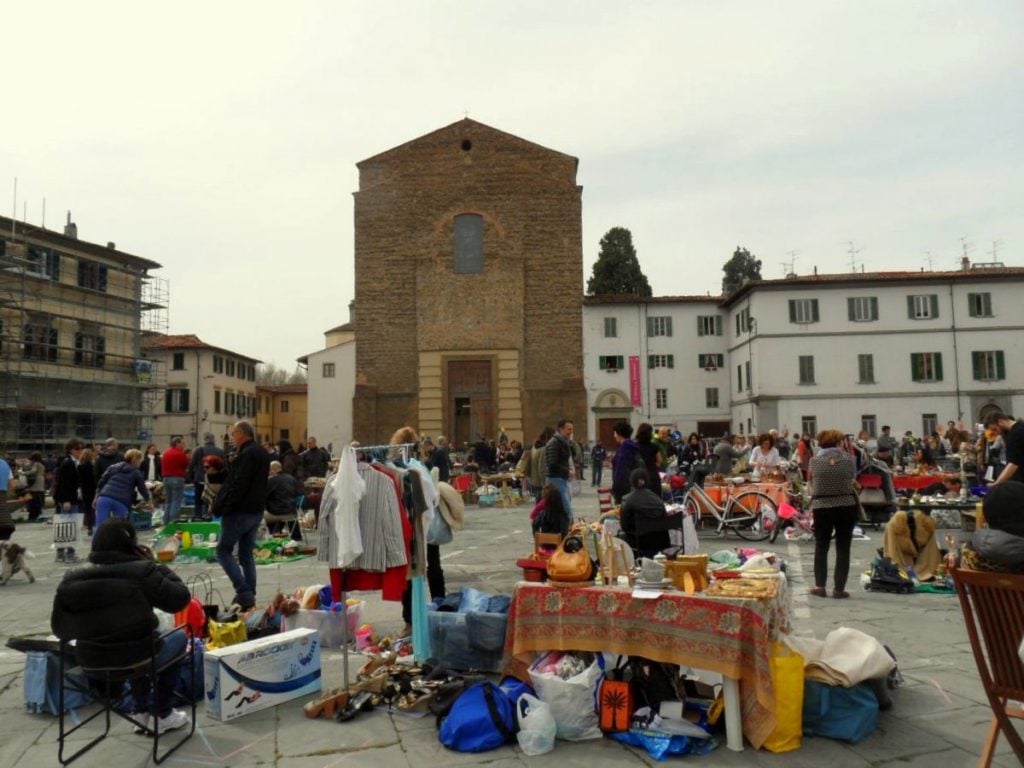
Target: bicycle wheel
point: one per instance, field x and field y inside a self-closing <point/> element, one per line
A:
<point x="752" y="514"/>
<point x="692" y="507"/>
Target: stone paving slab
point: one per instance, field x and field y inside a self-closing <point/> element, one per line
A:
<point x="939" y="718"/>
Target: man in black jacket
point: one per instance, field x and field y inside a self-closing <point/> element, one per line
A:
<point x="240" y="506"/>
<point x="557" y="458"/>
<point x="107" y="606"/>
<point x="66" y="494"/>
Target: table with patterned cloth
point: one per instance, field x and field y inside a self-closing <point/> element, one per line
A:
<point x="719" y="493"/>
<point x="728" y="635"/>
<point x="917" y="482"/>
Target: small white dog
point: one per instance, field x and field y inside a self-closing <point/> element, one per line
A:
<point x="12" y="559"/>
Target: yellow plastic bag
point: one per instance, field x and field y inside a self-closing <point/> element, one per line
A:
<point x="788" y="680"/>
<point x="226" y="633"/>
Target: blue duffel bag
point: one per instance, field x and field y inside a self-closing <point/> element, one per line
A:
<point x="483" y="717"/>
<point x="850" y="714"/>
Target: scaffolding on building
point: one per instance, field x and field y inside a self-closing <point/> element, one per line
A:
<point x="70" y="344"/>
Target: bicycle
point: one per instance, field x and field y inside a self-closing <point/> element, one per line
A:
<point x="797" y="516"/>
<point x="751" y="514"/>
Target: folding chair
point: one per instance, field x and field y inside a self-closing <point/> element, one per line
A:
<point x="108" y="687"/>
<point x="993" y="609"/>
<point x="604" y="500"/>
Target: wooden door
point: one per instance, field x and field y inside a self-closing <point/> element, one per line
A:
<point x="470" y="400"/>
<point x="606" y="432"/>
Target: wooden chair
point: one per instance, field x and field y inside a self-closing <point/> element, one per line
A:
<point x="993" y="609"/>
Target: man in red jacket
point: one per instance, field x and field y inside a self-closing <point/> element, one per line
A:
<point x="174" y="464"/>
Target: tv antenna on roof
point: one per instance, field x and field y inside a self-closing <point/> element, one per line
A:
<point x="928" y="258"/>
<point x="852" y="251"/>
<point x="994" y="253"/>
<point x="789" y="267"/>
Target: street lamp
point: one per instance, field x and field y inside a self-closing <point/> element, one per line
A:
<point x="752" y="332"/>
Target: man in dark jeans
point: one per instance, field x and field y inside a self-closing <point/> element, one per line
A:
<point x="597" y="456"/>
<point x="240" y="507"/>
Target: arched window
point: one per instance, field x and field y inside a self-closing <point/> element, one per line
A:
<point x="469" y="244"/>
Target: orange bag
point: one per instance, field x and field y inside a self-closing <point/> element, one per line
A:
<point x="616" y="700"/>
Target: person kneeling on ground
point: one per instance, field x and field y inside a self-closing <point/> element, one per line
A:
<point x="107" y="605"/>
<point x="282" y="490"/>
<point x="644" y="503"/>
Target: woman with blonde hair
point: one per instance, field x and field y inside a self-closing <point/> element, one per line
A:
<point x="834" y="506"/>
<point x="116" y="488"/>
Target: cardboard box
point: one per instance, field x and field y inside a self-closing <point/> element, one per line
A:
<point x="262" y="673"/>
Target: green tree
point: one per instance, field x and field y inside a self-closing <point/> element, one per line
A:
<point x="742" y="267"/>
<point x="617" y="269"/>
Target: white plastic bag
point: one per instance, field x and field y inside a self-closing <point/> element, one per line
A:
<point x="571" y="701"/>
<point x="536" y="726"/>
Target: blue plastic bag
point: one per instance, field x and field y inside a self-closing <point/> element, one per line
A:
<point x="850" y="714"/>
<point x="482" y="718"/>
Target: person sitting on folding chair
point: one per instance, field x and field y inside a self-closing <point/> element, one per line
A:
<point x="107" y="605"/>
<point x="642" y="502"/>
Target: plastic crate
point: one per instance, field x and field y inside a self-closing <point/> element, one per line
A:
<point x="327" y="623"/>
<point x="468" y="640"/>
<point x="487" y="499"/>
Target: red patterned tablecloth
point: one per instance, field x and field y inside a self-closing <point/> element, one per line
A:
<point x="916" y="482"/>
<point x="726" y="635"/>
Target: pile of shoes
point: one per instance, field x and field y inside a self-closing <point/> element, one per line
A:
<point x="415" y="690"/>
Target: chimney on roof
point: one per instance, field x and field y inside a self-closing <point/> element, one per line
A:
<point x="352" y="311"/>
<point x="71" y="229"/>
<point x="111" y="245"/>
<point x="815" y="270"/>
<point x="965" y="264"/>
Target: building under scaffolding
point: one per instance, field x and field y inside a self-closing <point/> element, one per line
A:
<point x="71" y="318"/>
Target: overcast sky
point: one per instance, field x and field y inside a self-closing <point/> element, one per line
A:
<point x="220" y="138"/>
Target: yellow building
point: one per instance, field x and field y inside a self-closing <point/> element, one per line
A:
<point x="281" y="414"/>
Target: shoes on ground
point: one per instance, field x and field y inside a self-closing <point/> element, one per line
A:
<point x="172" y="722"/>
<point x="144" y="722"/>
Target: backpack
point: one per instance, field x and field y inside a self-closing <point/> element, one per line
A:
<point x="483" y="717"/>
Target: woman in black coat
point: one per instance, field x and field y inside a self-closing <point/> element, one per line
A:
<point x="651" y="455"/>
<point x="642" y="502"/>
<point x="87" y="482"/>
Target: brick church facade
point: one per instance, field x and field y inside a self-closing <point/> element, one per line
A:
<point x="468" y="288"/>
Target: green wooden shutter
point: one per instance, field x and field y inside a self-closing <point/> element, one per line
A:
<point x="618" y="362"/>
<point x="910" y="307"/>
<point x="874" y="307"/>
<point x="718" y="325"/>
<point x="938" y="366"/>
<point x="933" y="303"/>
<point x="851" y="311"/>
<point x="972" y="305"/>
<point x="814" y="311"/>
<point x="650" y="326"/>
<point x="1000" y="365"/>
<point x="720" y="361"/>
<point x="792" y="311"/>
<point x="976" y="365"/>
<point x="915" y="366"/>
<point x="167" y="401"/>
<point x="671" y="361"/>
<point x="650" y="361"/>
<point x="668" y="326"/>
<point x="602" y="362"/>
<point x="700" y="326"/>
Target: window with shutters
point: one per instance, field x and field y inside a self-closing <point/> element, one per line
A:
<point x="328" y="371"/>
<point x="40" y="339"/>
<point x="979" y="304"/>
<point x="229" y="402"/>
<point x="216" y="400"/>
<point x="659" y="326"/>
<point x="661" y="361"/>
<point x="229" y="368"/>
<point x="711" y="397"/>
<point x="803" y="311"/>
<point x="865" y="369"/>
<point x="468" y="237"/>
<point x="739" y="378"/>
<point x="750" y="379"/>
<point x="611" y="363"/>
<point x="611" y="327"/>
<point x="178" y="361"/>
<point x="809" y="425"/>
<point x="806" y="369"/>
<point x="862" y="309"/>
<point x="218" y="364"/>
<point x="742" y="321"/>
<point x="869" y="424"/>
<point x="284" y="406"/>
<point x="711" y="362"/>
<point x="929" y="422"/>
<point x="176" y="400"/>
<point x="988" y="366"/>
<point x="92" y="275"/>
<point x="252" y="373"/>
<point x="90" y="347"/>
<point x="926" y="366"/>
<point x="661" y="398"/>
<point x="709" y="325"/>
<point x="923" y="306"/>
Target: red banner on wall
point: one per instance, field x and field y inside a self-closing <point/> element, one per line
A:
<point x="634" y="381"/>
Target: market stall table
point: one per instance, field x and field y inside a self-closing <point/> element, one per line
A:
<point x="503" y="481"/>
<point x="728" y="635"/>
<point x="917" y="482"/>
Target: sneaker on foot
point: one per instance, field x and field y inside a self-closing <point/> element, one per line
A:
<point x="143" y="722"/>
<point x="176" y="719"/>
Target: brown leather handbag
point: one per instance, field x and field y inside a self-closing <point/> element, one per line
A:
<point x="570" y="562"/>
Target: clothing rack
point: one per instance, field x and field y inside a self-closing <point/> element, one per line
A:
<point x="371" y="450"/>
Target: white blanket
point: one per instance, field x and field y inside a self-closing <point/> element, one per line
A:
<point x="845" y="657"/>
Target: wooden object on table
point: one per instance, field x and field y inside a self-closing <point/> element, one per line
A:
<point x="689" y="573"/>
